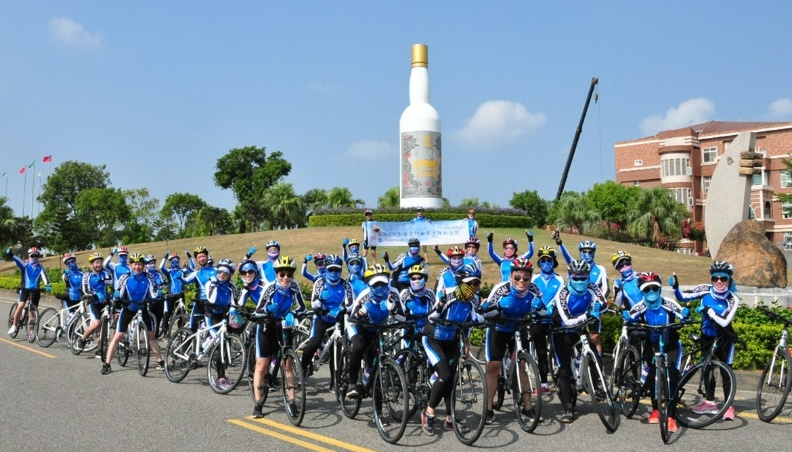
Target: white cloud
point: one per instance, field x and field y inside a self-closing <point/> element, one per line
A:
<point x="781" y="108"/>
<point x="497" y="122"/>
<point x="372" y="150"/>
<point x="73" y="34"/>
<point x="689" y="112"/>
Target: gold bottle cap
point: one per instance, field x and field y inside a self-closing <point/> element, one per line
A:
<point x="420" y="55"/>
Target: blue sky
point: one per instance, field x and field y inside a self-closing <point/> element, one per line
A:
<point x="157" y="91"/>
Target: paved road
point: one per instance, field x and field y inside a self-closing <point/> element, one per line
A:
<point x="53" y="400"/>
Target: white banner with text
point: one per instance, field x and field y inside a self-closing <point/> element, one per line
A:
<point x="392" y="233"/>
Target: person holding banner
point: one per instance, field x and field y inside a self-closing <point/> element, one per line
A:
<point x="418" y="220"/>
<point x="369" y="242"/>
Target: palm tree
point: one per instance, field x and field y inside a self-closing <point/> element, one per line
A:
<point x="342" y="197"/>
<point x="574" y="212"/>
<point x="656" y="215"/>
<point x="9" y="225"/>
<point x="286" y="209"/>
<point x="315" y="198"/>
<point x="389" y="199"/>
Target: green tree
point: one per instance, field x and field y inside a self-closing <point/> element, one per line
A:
<point x="100" y="211"/>
<point x="58" y="220"/>
<point x="315" y="198"/>
<point x="214" y="221"/>
<point x="9" y="225"/>
<point x="286" y="209"/>
<point x="141" y="226"/>
<point x="530" y="201"/>
<point x="656" y="216"/>
<point x="573" y="211"/>
<point x="249" y="173"/>
<point x="613" y="201"/>
<point x="389" y="199"/>
<point x="342" y="197"/>
<point x="182" y="206"/>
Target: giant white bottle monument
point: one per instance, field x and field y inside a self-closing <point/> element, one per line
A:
<point x="420" y="160"/>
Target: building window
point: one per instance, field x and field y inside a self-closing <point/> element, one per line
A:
<point x="709" y="155"/>
<point x="786" y="178"/>
<point x="758" y="179"/>
<point x="675" y="167"/>
<point x="788" y="241"/>
<point x="768" y="212"/>
<point x="705" y="183"/>
<point x="684" y="250"/>
<point x="638" y="162"/>
<point x="786" y="210"/>
<point x="682" y="196"/>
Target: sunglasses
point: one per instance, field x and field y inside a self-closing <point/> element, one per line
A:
<point x="249" y="272"/>
<point x="509" y="247"/>
<point x="286" y="274"/>
<point x="580" y="278"/>
<point x="720" y="278"/>
<point x="650" y="289"/>
<point x="586" y="252"/>
<point x="416" y="278"/>
<point x="621" y="265"/>
<point x="546" y="259"/>
<point x="519" y="278"/>
<point x="333" y="270"/>
<point x="377" y="285"/>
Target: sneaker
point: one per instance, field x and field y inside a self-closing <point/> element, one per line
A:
<point x="529" y="413"/>
<point x="427" y="424"/>
<point x="257" y="410"/>
<point x="705" y="407"/>
<point x="567" y="416"/>
<point x="355" y="392"/>
<point x="672" y="425"/>
<point x="81" y="344"/>
<point x="160" y="365"/>
<point x="98" y="355"/>
<point x="546" y="388"/>
<point x="383" y="420"/>
<point x="294" y="411"/>
<point x="654" y="418"/>
<point x="489" y="418"/>
<point x="729" y="414"/>
<point x="106" y="369"/>
<point x="449" y="426"/>
<point x="223" y="383"/>
<point x="13" y="330"/>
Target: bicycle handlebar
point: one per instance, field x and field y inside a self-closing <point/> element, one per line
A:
<point x="775" y="316"/>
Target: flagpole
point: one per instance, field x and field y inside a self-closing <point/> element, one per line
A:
<point x="38" y="204"/>
<point x="23" y="192"/>
<point x="32" y="192"/>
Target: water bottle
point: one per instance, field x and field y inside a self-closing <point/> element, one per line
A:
<point x="366" y="375"/>
<point x="206" y="342"/>
<point x="644" y="373"/>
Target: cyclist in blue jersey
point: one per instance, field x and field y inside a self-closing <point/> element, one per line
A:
<point x="134" y="288"/>
<point x="201" y="278"/>
<point x="574" y="304"/>
<point x="369" y="242"/>
<point x="514" y="299"/>
<point x="117" y="269"/>
<point x="157" y="309"/>
<point x="509" y="253"/>
<point x="221" y="295"/>
<point x="415" y="303"/>
<point x="278" y="301"/>
<point x="175" y="277"/>
<point x="33" y="274"/>
<point x="470" y="255"/>
<point x="265" y="267"/>
<point x="351" y="247"/>
<point x="355" y="269"/>
<point x="598" y="277"/>
<point x="549" y="284"/>
<point x="373" y="307"/>
<point x="94" y="284"/>
<point x="441" y="342"/>
<point x="656" y="310"/>
<point x="421" y="221"/>
<point x="446" y="280"/>
<point x="72" y="277"/>
<point x="399" y="279"/>
<point x="472" y="223"/>
<point x="251" y="285"/>
<point x="718" y="306"/>
<point x="330" y="297"/>
<point x="318" y="260"/>
<point x="626" y="292"/>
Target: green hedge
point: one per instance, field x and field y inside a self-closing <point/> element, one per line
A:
<point x="487" y="218"/>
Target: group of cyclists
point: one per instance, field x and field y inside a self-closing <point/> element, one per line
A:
<point x="370" y="296"/>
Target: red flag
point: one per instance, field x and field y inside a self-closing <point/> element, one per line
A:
<point x="22" y="170"/>
<point x="47" y="158"/>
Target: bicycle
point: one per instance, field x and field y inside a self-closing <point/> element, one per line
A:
<point x="776" y="379"/>
<point x="179" y="318"/>
<point x="519" y="376"/>
<point x="53" y="323"/>
<point x="589" y="374"/>
<point x="700" y="379"/>
<point x="137" y="339"/>
<point x="628" y="364"/>
<point x="80" y="324"/>
<point x="291" y="372"/>
<point x="664" y="393"/>
<point x="186" y="350"/>
<point x="386" y="383"/>
<point x="28" y="319"/>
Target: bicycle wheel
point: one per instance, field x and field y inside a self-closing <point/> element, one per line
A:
<point x="390" y="393"/>
<point x="500" y="392"/>
<point x="526" y="384"/>
<point x="49" y="327"/>
<point x="104" y="337"/>
<point x="626" y="382"/>
<point x="176" y="323"/>
<point x="76" y="331"/>
<point x="181" y="349"/>
<point x="469" y="402"/>
<point x="11" y="317"/>
<point x="227" y="359"/>
<point x="123" y="351"/>
<point x="616" y="370"/>
<point x="601" y="400"/>
<point x="350" y="407"/>
<point x="32" y="324"/>
<point x="415" y="373"/>
<point x="662" y="393"/>
<point x="694" y="408"/>
<point x="774" y="386"/>
<point x="293" y="387"/>
<point x="142" y="348"/>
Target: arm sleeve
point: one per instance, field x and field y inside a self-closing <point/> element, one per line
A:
<point x="18" y="262"/>
<point x="107" y="264"/>
<point x="492" y="254"/>
<point x="726" y="318"/>
<point x="298" y="298"/>
<point x="566" y="254"/>
<point x="316" y="294"/>
<point x="693" y="294"/>
<point x="530" y="251"/>
<point x="305" y="273"/>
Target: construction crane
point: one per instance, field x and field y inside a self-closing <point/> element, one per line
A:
<point x="594" y="82"/>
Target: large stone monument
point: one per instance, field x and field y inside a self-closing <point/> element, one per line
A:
<point x="757" y="262"/>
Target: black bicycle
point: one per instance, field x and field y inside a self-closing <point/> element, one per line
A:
<point x="773" y="390"/>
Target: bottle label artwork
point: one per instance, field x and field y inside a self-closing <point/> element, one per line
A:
<point x="421" y="174"/>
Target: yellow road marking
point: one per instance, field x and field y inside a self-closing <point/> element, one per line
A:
<point x="279" y="436"/>
<point x="311" y="435"/>
<point x="47" y="355"/>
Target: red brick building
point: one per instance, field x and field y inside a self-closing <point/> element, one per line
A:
<point x="683" y="161"/>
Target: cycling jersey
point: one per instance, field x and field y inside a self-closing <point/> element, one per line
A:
<point x="134" y="288"/>
<point x="454" y="311"/>
<point x="549" y="286"/>
<point x="573" y="309"/>
<point x="116" y="270"/>
<point x="332" y="298"/>
<point x="175" y="277"/>
<point x="722" y="307"/>
<point x="32" y="274"/>
<point x="220" y="296"/>
<point x="376" y="311"/>
<point x="73" y="280"/>
<point x="503" y="301"/>
<point x="415" y="306"/>
<point x="402" y="266"/>
<point x="277" y="302"/>
<point x="626" y="292"/>
<point x="201" y="278"/>
<point x="96" y="283"/>
<point x="668" y="312"/>
<point x="505" y="262"/>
